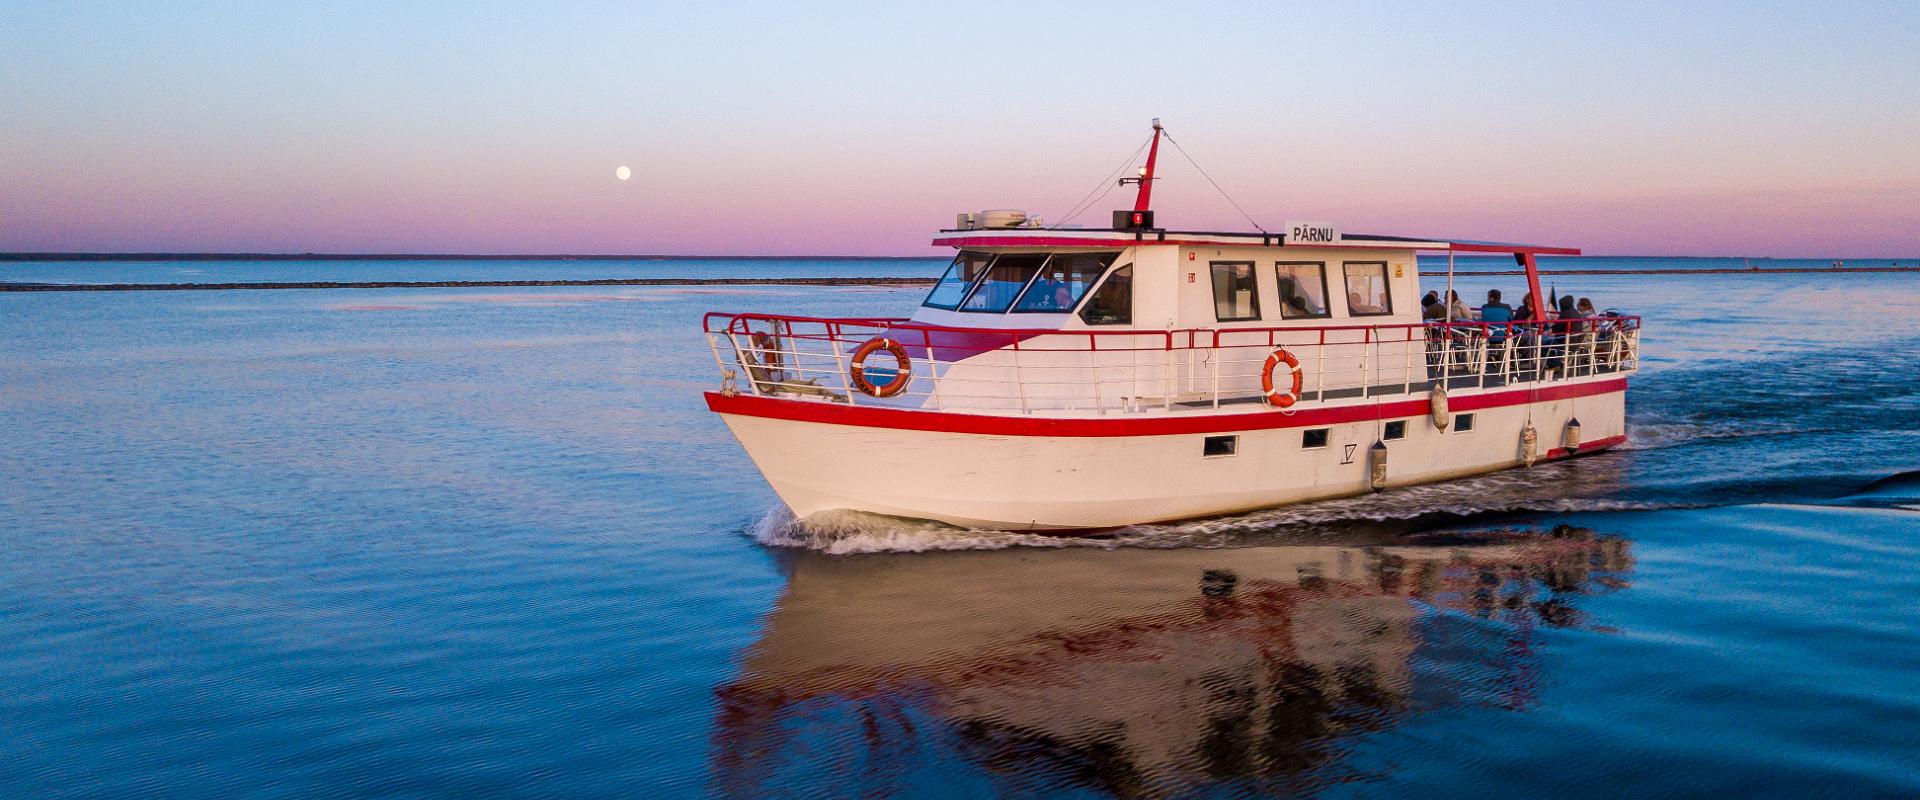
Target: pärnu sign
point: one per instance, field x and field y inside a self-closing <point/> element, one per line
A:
<point x="1300" y="232"/>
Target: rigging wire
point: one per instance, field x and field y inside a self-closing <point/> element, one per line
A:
<point x="1216" y="184"/>
<point x="1089" y="200"/>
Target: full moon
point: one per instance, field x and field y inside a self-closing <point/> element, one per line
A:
<point x="622" y="172"/>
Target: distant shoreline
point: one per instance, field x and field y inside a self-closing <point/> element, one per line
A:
<point x="846" y="281"/>
<point x="425" y="257"/>
<point x="154" y="256"/>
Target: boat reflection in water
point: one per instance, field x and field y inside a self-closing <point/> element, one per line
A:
<point x="1135" y="671"/>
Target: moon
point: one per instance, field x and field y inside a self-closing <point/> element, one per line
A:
<point x="622" y="172"/>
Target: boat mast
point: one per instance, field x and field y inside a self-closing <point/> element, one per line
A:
<point x="1140" y="201"/>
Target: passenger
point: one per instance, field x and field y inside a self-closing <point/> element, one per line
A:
<point x="1459" y="310"/>
<point x="1496" y="316"/>
<point x="1430" y="307"/>
<point x="1495" y="312"/>
<point x="1586" y="308"/>
<point x="1570" y="310"/>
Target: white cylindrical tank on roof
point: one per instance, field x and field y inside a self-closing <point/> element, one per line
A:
<point x="1002" y="218"/>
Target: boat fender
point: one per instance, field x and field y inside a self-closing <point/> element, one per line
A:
<point x="1377" y="461"/>
<point x="1274" y="397"/>
<point x="1529" y="444"/>
<point x="1438" y="400"/>
<point x="1571" y="439"/>
<point x="857" y="371"/>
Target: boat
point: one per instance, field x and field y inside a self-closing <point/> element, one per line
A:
<point x="1074" y="379"/>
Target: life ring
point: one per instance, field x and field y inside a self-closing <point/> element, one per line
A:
<point x="1291" y="396"/>
<point x="858" y="370"/>
<point x="769" y="347"/>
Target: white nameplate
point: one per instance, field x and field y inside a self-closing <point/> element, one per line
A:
<point x="1312" y="232"/>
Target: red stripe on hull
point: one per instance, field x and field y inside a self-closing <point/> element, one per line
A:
<point x="991" y="425"/>
<point x="1586" y="447"/>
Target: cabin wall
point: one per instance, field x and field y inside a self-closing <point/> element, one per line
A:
<point x="1195" y="285"/>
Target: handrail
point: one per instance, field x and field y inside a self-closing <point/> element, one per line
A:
<point x="1028" y="370"/>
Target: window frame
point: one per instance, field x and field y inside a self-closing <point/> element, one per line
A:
<point x="1080" y="308"/>
<point x="1231" y="440"/>
<point x="1326" y="301"/>
<point x="1468" y="419"/>
<point x="1326" y="438"/>
<point x="1386" y="283"/>
<point x="1074" y="307"/>
<point x="1253" y="273"/>
<point x="1387" y="428"/>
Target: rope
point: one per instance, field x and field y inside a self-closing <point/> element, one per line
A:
<point x="1088" y="202"/>
<point x="1216" y="184"/>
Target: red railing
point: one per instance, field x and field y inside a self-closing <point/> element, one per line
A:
<point x="1045" y="370"/>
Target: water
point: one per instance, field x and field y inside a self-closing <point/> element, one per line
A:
<point x="440" y="543"/>
<point x="384" y="270"/>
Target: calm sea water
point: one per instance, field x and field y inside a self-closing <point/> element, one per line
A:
<point x="428" y="543"/>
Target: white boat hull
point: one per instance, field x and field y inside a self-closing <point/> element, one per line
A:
<point x="1098" y="476"/>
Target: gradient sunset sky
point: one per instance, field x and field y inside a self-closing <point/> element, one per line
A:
<point x="827" y="128"/>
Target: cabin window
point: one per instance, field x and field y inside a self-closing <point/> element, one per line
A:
<point x="966" y="267"/>
<point x="1236" y="295"/>
<point x="1219" y="446"/>
<point x="1062" y="281"/>
<point x="1367" y="289"/>
<point x="1303" y="290"/>
<point x="1112" y="303"/>
<point x="1462" y="423"/>
<point x="1316" y="437"/>
<point x="1396" y="429"/>
<point x="1003" y="281"/>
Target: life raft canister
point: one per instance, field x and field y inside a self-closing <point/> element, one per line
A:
<point x="857" y="371"/>
<point x="1273" y="396"/>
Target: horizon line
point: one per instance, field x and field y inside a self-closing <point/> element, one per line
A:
<point x="21" y="256"/>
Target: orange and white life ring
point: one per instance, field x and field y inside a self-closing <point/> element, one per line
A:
<point x="857" y="372"/>
<point x="1275" y="397"/>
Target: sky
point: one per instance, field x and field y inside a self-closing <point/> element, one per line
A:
<point x="1741" y="129"/>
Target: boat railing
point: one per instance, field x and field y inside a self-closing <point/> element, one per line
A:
<point x="1127" y="371"/>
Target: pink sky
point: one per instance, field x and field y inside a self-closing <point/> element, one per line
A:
<point x="858" y="131"/>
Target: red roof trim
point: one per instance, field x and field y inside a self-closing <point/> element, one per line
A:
<point x="991" y="425"/>
<point x="989" y="240"/>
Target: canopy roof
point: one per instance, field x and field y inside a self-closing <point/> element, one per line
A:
<point x="1047" y="237"/>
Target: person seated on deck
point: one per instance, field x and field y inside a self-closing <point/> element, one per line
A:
<point x="1430" y="307"/>
<point x="1564" y="335"/>
<point x="1458" y="309"/>
<point x="1496" y="314"/>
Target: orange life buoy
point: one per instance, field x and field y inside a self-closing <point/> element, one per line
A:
<point x="1291" y="396"/>
<point x="858" y="370"/>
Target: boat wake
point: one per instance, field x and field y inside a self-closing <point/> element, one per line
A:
<point x="1569" y="487"/>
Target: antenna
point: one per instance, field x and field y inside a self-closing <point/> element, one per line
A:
<point x="1142" y="215"/>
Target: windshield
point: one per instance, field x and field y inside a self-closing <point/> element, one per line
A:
<point x="1008" y="275"/>
<point x="1062" y="281"/>
<point x="966" y="267"/>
